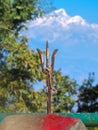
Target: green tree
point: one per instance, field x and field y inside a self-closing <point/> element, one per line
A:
<point x="21" y="69"/>
<point x="88" y="95"/>
<point x="19" y="66"/>
<point x="13" y="13"/>
<point x="65" y="90"/>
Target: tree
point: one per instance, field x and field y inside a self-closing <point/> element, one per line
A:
<point x="65" y="90"/>
<point x="88" y="95"/>
<point x="13" y="13"/>
<point x="21" y="69"/>
<point x="19" y="66"/>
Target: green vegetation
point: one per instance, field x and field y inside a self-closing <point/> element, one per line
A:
<point x="88" y="95"/>
<point x="18" y="64"/>
<point x="66" y="89"/>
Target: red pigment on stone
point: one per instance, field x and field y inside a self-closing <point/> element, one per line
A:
<point x="57" y="122"/>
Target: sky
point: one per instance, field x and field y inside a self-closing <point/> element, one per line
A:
<point x="73" y="29"/>
<point x="87" y="9"/>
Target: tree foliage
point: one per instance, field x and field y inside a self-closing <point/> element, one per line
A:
<point x="15" y="12"/>
<point x="19" y="66"/>
<point x="66" y="89"/>
<point x="88" y="95"/>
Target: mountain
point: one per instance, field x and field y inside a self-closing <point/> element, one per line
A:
<point x="76" y="39"/>
<point x="59" y="25"/>
<point x="60" y="17"/>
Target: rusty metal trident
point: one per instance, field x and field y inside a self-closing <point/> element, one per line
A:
<point x="48" y="72"/>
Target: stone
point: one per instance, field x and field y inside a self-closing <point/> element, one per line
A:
<point x="41" y="122"/>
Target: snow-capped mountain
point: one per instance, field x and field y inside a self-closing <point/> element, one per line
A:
<point x="59" y="24"/>
<point x="76" y="39"/>
<point x="60" y="17"/>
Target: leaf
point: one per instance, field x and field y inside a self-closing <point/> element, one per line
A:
<point x="17" y="17"/>
<point x="19" y="7"/>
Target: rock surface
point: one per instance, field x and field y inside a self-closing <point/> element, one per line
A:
<point x="41" y="122"/>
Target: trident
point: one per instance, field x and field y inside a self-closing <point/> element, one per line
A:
<point x="48" y="70"/>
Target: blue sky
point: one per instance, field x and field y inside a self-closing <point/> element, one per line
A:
<point x="88" y="9"/>
<point x="73" y="29"/>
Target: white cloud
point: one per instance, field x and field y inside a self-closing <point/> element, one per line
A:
<point x="59" y="25"/>
<point x="78" y="20"/>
